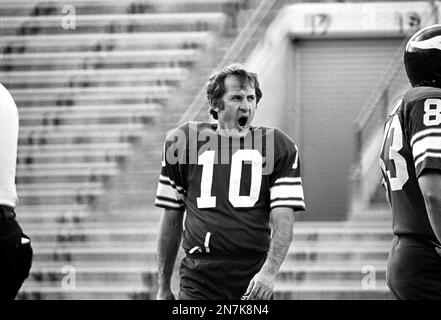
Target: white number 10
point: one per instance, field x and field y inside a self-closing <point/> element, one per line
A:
<point x="206" y="159"/>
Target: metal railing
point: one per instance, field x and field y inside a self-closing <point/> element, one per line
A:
<point x="374" y="112"/>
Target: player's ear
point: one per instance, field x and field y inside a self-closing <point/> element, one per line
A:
<point x="214" y="105"/>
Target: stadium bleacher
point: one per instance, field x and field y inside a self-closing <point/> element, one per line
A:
<point x="86" y="95"/>
<point x="94" y="109"/>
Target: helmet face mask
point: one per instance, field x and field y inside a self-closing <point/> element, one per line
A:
<point x="422" y="57"/>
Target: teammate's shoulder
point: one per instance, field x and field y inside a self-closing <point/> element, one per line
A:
<point x="279" y="134"/>
<point x="419" y="93"/>
<point x="282" y="141"/>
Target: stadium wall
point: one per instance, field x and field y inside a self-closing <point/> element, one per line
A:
<point x="317" y="65"/>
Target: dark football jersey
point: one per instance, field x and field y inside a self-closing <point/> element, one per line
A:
<point x="228" y="186"/>
<point x="411" y="144"/>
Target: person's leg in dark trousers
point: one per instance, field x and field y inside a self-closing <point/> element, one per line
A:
<point x="201" y="279"/>
<point x="212" y="279"/>
<point x="240" y="273"/>
<point x="413" y="270"/>
<point x="15" y="258"/>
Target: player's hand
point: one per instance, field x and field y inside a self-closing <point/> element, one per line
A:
<point x="165" y="294"/>
<point x="261" y="287"/>
<point x="438" y="250"/>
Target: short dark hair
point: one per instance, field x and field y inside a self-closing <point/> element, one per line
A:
<point x="216" y="85"/>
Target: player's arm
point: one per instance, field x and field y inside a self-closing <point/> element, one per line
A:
<point x="261" y="287"/>
<point x="169" y="239"/>
<point x="170" y="196"/>
<point x="430" y="184"/>
<point x="424" y="128"/>
<point x="286" y="197"/>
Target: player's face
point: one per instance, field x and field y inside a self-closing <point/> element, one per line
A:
<point x="239" y="106"/>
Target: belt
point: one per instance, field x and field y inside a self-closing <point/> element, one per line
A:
<point x="6" y="213"/>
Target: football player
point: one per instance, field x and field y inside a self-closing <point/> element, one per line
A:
<point x="411" y="166"/>
<point x="16" y="252"/>
<point x="231" y="179"/>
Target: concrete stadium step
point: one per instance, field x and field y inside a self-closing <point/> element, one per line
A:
<point x="117" y="155"/>
<point x="51" y="235"/>
<point x="72" y="149"/>
<point x="331" y="290"/>
<point x="100" y="60"/>
<point x="39" y="167"/>
<point x="60" y="115"/>
<point x="48" y="192"/>
<point x="142" y="230"/>
<point x="56" y="219"/>
<point x="64" y="238"/>
<point x="83" y="96"/>
<point x="60" y="197"/>
<point x="355" y="232"/>
<point x="293" y="266"/>
<point x="87" y="276"/>
<point x="52" y="218"/>
<point x="327" y="271"/>
<point x="36" y="209"/>
<point x="135" y="22"/>
<point x="84" y="7"/>
<point x="145" y="252"/>
<point x="80" y="130"/>
<point x="77" y="246"/>
<point x="53" y="187"/>
<point x="147" y="274"/>
<point x="93" y="77"/>
<point x="87" y="293"/>
<point x="322" y="290"/>
<point x="138" y="215"/>
<point x="106" y="41"/>
<point x="74" y="175"/>
<point x="70" y="172"/>
<point x="93" y="133"/>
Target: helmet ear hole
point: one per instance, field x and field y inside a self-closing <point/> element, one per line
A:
<point x="437" y="72"/>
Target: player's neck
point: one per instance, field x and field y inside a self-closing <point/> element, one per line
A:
<point x="232" y="132"/>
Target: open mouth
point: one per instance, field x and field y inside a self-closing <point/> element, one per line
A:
<point x="242" y="121"/>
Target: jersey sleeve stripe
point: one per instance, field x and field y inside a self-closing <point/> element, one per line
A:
<point x="168" y="192"/>
<point x="427" y="155"/>
<point x="287" y="184"/>
<point x="297" y="204"/>
<point x="288" y="180"/>
<point x="168" y="204"/>
<point x="288" y="198"/>
<point x="286" y="191"/>
<point x="168" y="185"/>
<point x="422" y="134"/>
<point x="166" y="180"/>
<point x="169" y="199"/>
<point x="427" y="143"/>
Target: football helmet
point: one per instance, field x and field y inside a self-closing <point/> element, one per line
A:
<point x="422" y="57"/>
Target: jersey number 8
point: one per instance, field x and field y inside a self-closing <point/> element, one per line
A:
<point x="432" y="112"/>
<point x="394" y="164"/>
